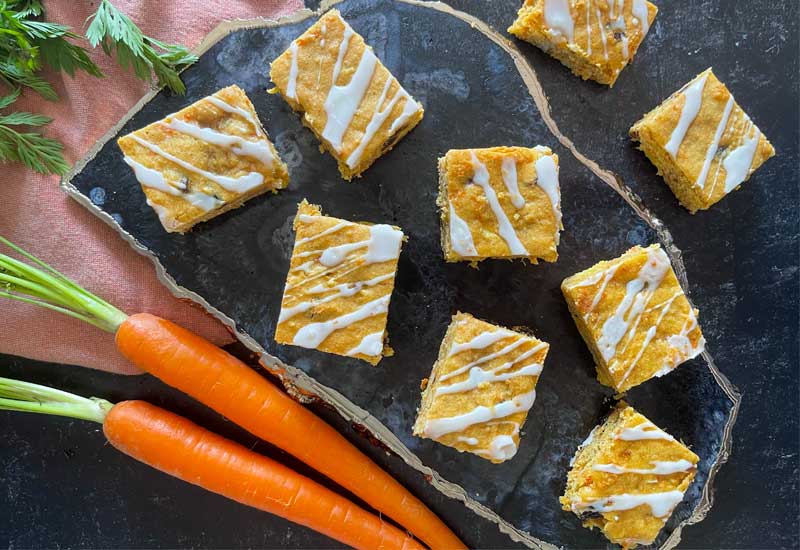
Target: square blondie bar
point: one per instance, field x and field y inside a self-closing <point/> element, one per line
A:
<point x="634" y="316"/>
<point x="501" y="202"/>
<point x="481" y="388"/>
<point x="628" y="477"/>
<point x="340" y="281"/>
<point x="345" y="95"/>
<point x="702" y="142"/>
<point x="596" y="39"/>
<point x="204" y="160"/>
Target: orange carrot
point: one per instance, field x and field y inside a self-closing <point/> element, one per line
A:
<point x="188" y="452"/>
<point x="222" y="382"/>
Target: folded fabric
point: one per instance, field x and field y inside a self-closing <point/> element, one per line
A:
<point x="35" y="214"/>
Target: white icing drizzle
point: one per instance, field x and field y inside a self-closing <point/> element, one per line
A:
<point x="681" y="340"/>
<point x="291" y="86"/>
<point x="620" y="26"/>
<point x="586" y="442"/>
<point x="505" y="229"/>
<point x="242" y="184"/>
<point x="332" y="229"/>
<point x="383" y="245"/>
<point x="640" y="12"/>
<point x="313" y="334"/>
<point x="648" y="337"/>
<point x="228" y="108"/>
<point x="343" y="101"/>
<point x="460" y="236"/>
<point x="712" y="148"/>
<point x="661" y="504"/>
<point x="602" y="34"/>
<point x="589" y="27"/>
<point x="638" y="292"/>
<point x="608" y="275"/>
<point x="335" y="255"/>
<point x="154" y="179"/>
<point x="501" y="447"/>
<point x="547" y="179"/>
<point x="660" y="468"/>
<point x="258" y="150"/>
<point x="645" y="430"/>
<point x="379" y="116"/>
<point x="437" y="427"/>
<point x="163" y="214"/>
<point x="558" y="18"/>
<point x="486" y="358"/>
<point x="371" y="344"/>
<point x="509" y="171"/>
<point x="478" y="376"/>
<point x="737" y="162"/>
<point x="410" y="107"/>
<point x="481" y="341"/>
<point x="468" y="440"/>
<point x="693" y="98"/>
<point x="344" y="289"/>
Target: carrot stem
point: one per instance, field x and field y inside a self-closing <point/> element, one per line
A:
<point x="42" y="285"/>
<point x="16" y="395"/>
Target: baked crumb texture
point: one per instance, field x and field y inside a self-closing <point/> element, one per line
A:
<point x="596" y="39"/>
<point x="204" y="160"/>
<point x="703" y="144"/>
<point x="339" y="284"/>
<point x="634" y="317"/>
<point x="502" y="202"/>
<point x="344" y="94"/>
<point x="628" y="477"/>
<point x="481" y="388"/>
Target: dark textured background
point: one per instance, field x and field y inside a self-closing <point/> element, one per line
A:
<point x="743" y="275"/>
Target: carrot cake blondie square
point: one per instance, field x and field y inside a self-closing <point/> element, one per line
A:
<point x="634" y="316"/>
<point x="594" y="38"/>
<point x="345" y="95"/>
<point x="340" y="280"/>
<point x="204" y="160"/>
<point x="628" y="477"/>
<point x="702" y="142"/>
<point x="501" y="202"/>
<point x="481" y="388"/>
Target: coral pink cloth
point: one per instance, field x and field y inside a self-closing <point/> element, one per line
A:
<point x="35" y="214"/>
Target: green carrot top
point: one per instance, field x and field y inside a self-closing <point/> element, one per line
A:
<point x="16" y="395"/>
<point x="37" y="283"/>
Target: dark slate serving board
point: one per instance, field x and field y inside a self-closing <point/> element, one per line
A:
<point x="476" y="94"/>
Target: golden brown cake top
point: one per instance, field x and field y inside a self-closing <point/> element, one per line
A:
<point x="202" y="157"/>
<point x="630" y="473"/>
<point x="635" y="315"/>
<point x="481" y="388"/>
<point x="501" y="202"/>
<point x="607" y="33"/>
<point x="707" y="135"/>
<point x="349" y="99"/>
<point x="339" y="284"/>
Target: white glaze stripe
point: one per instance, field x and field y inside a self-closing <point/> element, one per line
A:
<point x="509" y="348"/>
<point x="371" y="345"/>
<point x="693" y="98"/>
<point x="558" y="18"/>
<point x="645" y="430"/>
<point x="712" y="148"/>
<point x="437" y="427"/>
<point x="332" y="229"/>
<point x="291" y="86"/>
<point x="478" y="376"/>
<point x="661" y="504"/>
<point x="737" y="163"/>
<point x="258" y="150"/>
<point x="505" y="229"/>
<point x="242" y="184"/>
<point x="509" y="171"/>
<point x="547" y="179"/>
<point x="228" y="108"/>
<point x="481" y="341"/>
<point x="660" y="468"/>
<point x="460" y="235"/>
<point x="313" y="334"/>
<point x="154" y="179"/>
